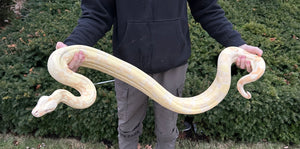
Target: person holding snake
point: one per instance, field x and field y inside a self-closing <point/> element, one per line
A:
<point x="153" y="35"/>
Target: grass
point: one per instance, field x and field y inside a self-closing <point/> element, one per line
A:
<point x="9" y="141"/>
<point x="29" y="142"/>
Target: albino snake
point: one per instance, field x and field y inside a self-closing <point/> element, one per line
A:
<point x="99" y="60"/>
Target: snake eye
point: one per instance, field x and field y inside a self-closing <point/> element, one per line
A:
<point x="43" y="100"/>
<point x="50" y="106"/>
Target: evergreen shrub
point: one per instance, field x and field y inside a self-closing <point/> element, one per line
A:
<point x="273" y="114"/>
<point x="5" y="11"/>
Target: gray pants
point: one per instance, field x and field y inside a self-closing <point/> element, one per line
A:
<point x="132" y="107"/>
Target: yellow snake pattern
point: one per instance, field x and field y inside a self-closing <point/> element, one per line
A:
<point x="104" y="62"/>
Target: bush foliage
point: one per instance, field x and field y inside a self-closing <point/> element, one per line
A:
<point x="272" y="114"/>
<point x="5" y="11"/>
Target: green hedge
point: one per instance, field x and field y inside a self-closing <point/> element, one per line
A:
<point x="272" y="114"/>
<point x="5" y="12"/>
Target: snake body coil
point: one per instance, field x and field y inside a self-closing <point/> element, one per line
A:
<point x="104" y="62"/>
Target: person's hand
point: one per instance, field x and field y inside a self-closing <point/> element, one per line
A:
<point x="77" y="60"/>
<point x="241" y="61"/>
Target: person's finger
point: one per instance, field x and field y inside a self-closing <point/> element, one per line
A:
<point x="242" y="63"/>
<point x="238" y="62"/>
<point x="60" y="45"/>
<point x="81" y="56"/>
<point x="248" y="66"/>
<point x="73" y="63"/>
<point x="252" y="49"/>
<point x="76" y="61"/>
<point x="255" y="50"/>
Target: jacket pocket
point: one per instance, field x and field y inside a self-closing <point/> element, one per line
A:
<point x="169" y="42"/>
<point x="167" y="34"/>
<point x="135" y="44"/>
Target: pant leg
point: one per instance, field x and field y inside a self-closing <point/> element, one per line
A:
<point x="132" y="107"/>
<point x="165" y="120"/>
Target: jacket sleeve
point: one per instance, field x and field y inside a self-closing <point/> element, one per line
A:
<point x="96" y="19"/>
<point x="212" y="18"/>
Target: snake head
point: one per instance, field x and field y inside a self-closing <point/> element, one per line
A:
<point x="45" y="105"/>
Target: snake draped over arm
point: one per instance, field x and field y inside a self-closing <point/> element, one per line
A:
<point x="104" y="62"/>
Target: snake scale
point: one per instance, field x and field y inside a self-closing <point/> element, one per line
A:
<point x="104" y="62"/>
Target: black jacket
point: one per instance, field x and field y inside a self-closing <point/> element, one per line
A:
<point x="151" y="34"/>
